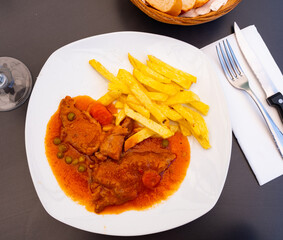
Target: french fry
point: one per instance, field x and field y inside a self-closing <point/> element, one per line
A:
<point x="203" y="142"/>
<point x="185" y="129"/>
<point x="135" y="62"/>
<point x="157" y="86"/>
<point x="137" y="138"/>
<point x="172" y="69"/>
<point x="144" y="99"/>
<point x="182" y="97"/>
<point x="103" y="71"/>
<point x="120" y="117"/>
<point x="119" y="105"/>
<point x="109" y="97"/>
<point x="163" y="131"/>
<point x="131" y="98"/>
<point x="119" y="87"/>
<point x="200" y="122"/>
<point x="185" y="83"/>
<point x="189" y="117"/>
<point x="198" y="127"/>
<point x="147" y="71"/>
<point x="157" y="96"/>
<point x="124" y="76"/>
<point x="140" y="109"/>
<point x="122" y="99"/>
<point x="112" y="86"/>
<point x="169" y="112"/>
<point x="149" y="89"/>
<point x="200" y="106"/>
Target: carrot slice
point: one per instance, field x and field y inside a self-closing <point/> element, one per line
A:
<point x="100" y="113"/>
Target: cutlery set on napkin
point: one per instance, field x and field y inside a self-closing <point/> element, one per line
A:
<point x="261" y="144"/>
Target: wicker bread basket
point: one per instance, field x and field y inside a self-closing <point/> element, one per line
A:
<point x="163" y="17"/>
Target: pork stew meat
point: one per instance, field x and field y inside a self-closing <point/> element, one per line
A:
<point x="114" y="177"/>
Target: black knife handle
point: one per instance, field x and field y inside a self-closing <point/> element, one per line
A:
<point x="276" y="101"/>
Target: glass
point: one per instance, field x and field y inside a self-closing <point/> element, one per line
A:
<point x="15" y="83"/>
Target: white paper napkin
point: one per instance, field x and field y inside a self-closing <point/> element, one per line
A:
<point x="248" y="125"/>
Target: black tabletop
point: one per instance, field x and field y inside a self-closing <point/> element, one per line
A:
<point x="30" y="30"/>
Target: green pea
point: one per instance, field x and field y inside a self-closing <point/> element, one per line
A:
<point x="165" y="143"/>
<point x="60" y="155"/>
<point x="62" y="148"/>
<point x="82" y="159"/>
<point x="71" y="116"/>
<point x="68" y="160"/>
<point x="81" y="168"/>
<point x="57" y="141"/>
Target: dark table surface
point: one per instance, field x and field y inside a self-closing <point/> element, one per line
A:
<point x="30" y="30"/>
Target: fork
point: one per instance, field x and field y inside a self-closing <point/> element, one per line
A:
<point x="237" y="78"/>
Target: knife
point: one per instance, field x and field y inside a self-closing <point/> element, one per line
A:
<point x="273" y="97"/>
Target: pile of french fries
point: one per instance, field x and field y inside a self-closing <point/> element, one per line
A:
<point x="157" y="96"/>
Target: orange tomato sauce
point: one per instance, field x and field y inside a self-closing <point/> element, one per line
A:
<point x="75" y="184"/>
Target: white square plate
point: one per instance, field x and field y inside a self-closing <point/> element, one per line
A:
<point x="67" y="72"/>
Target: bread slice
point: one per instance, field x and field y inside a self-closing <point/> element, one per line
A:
<point x="188" y="5"/>
<point x="200" y="3"/>
<point x="171" y="7"/>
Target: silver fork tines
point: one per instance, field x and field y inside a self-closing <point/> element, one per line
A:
<point x="237" y="78"/>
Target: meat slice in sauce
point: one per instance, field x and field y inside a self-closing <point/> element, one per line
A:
<point x="128" y="123"/>
<point x="112" y="144"/>
<point x="82" y="132"/>
<point x="150" y="145"/>
<point x="115" y="183"/>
